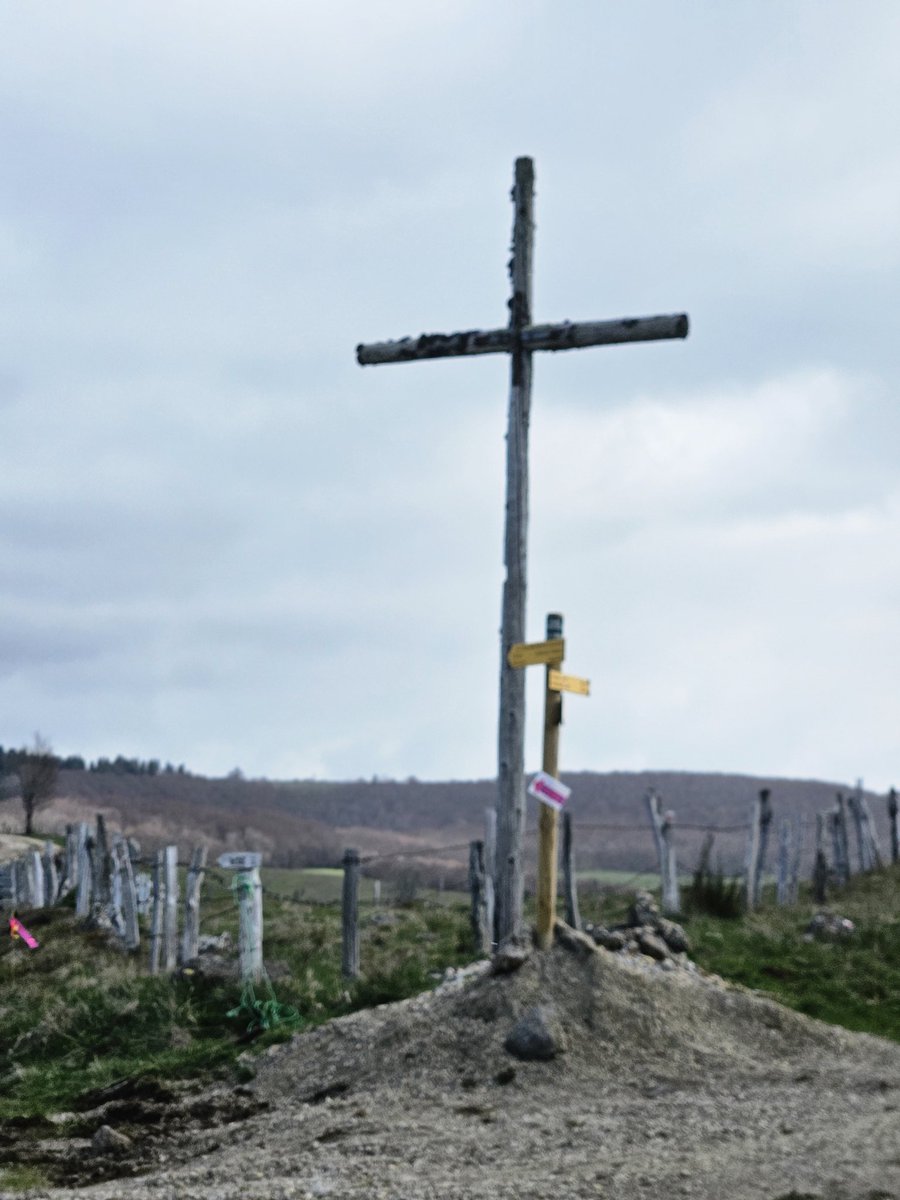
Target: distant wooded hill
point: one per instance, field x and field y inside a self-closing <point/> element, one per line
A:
<point x="308" y="823"/>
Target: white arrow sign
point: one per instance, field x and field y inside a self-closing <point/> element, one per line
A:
<point x="549" y="790"/>
<point x="240" y="860"/>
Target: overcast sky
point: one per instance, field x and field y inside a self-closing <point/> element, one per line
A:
<point x="224" y="543"/>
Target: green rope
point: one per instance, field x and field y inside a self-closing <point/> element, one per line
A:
<point x="266" y="1013"/>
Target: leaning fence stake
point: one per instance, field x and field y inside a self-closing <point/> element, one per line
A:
<point x="131" y="936"/>
<point x="894" y="821"/>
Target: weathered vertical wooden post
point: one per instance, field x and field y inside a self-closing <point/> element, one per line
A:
<point x="190" y="938"/>
<point x="131" y="936"/>
<point x="548" y="816"/>
<point x="862" y="847"/>
<point x="570" y="882"/>
<point x="100" y="865"/>
<point x="490" y="870"/>
<point x="69" y="879"/>
<point x="794" y="864"/>
<point x="51" y="875"/>
<point x="156" y="917"/>
<point x="820" y="870"/>
<point x="894" y="824"/>
<point x="481" y="934"/>
<point x="350" y="916"/>
<point x="511" y="728"/>
<point x="671" y="896"/>
<point x="663" y="836"/>
<point x="114" y="907"/>
<point x="765" y="821"/>
<point x="85" y="871"/>
<point x="376" y="891"/>
<point x="250" y="936"/>
<point x="36" y="875"/>
<point x="874" y="849"/>
<point x="840" y="842"/>
<point x="784" y="856"/>
<point x="760" y="818"/>
<point x="170" y="910"/>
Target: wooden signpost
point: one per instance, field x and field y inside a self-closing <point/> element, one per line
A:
<point x="551" y="654"/>
<point x="520" y="338"/>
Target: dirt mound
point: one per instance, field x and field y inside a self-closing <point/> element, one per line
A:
<point x="612" y="1017"/>
<point x="649" y="1082"/>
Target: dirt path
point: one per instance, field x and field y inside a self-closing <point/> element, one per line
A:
<point x="670" y="1085"/>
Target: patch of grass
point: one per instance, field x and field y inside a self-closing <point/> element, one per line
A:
<point x="78" y="1014"/>
<point x="854" y="982"/>
<point x="22" y="1178"/>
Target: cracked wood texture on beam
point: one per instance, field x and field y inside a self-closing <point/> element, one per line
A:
<point x="566" y="335"/>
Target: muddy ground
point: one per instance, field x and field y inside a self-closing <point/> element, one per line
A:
<point x="666" y="1083"/>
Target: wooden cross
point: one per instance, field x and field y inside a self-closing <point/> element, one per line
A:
<point x="519" y="339"/>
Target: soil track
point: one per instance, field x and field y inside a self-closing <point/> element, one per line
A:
<point x="671" y="1084"/>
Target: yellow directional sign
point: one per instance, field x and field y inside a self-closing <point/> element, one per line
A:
<point x="529" y="654"/>
<point x="557" y="682"/>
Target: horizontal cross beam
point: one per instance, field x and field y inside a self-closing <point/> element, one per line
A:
<point x="568" y="335"/>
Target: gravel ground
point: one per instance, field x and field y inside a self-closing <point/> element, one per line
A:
<point x="667" y="1084"/>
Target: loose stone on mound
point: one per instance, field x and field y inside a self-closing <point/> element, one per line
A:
<point x="536" y="1036"/>
<point x="509" y="957"/>
<point x="109" y="1141"/>
<point x="573" y="939"/>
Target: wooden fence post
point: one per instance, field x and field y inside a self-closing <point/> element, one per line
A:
<point x="350" y="916"/>
<point x="190" y="938"/>
<point x="69" y="875"/>
<point x="250" y="929"/>
<point x="663" y="834"/>
<point x="490" y="870"/>
<point x="894" y="823"/>
<point x="170" y="912"/>
<point x="570" y="883"/>
<point x="100" y="882"/>
<point x="840" y="843"/>
<point x="784" y="861"/>
<point x="863" y="850"/>
<point x="85" y="873"/>
<point x="820" y="870"/>
<point x="794" y="864"/>
<point x="481" y="934"/>
<point x="51" y="875"/>
<point x="129" y="909"/>
<point x="759" y="841"/>
<point x="156" y="920"/>
<point x="36" y="874"/>
<point x="870" y="835"/>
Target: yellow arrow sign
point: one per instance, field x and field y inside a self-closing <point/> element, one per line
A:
<point x="557" y="682"/>
<point x="529" y="654"/>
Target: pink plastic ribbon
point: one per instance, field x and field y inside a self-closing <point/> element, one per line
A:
<point x="17" y="929"/>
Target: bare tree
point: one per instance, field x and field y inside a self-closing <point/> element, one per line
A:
<point x="38" y="770"/>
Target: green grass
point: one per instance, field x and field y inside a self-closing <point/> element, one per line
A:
<point x="854" y="982"/>
<point x="78" y="1014"/>
<point x="21" y="1178"/>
